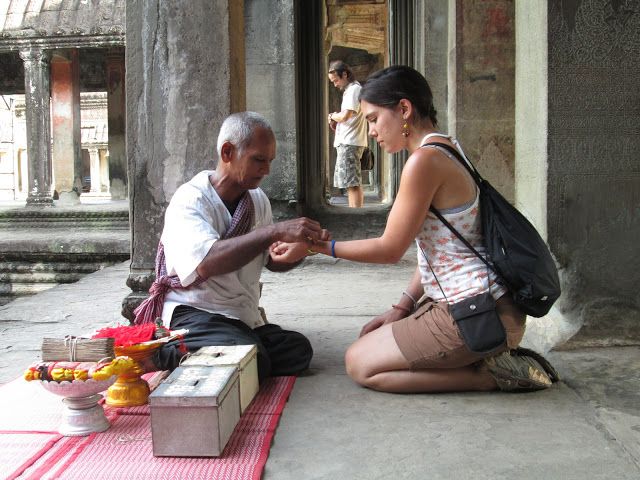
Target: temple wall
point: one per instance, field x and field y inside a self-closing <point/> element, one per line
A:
<point x="482" y="86"/>
<point x="271" y="86"/>
<point x="577" y="175"/>
<point x="184" y="75"/>
<point x="593" y="176"/>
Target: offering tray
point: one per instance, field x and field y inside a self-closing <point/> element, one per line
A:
<point x="82" y="414"/>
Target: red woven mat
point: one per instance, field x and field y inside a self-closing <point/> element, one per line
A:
<point x="31" y="448"/>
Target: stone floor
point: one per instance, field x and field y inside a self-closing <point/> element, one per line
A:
<point x="585" y="427"/>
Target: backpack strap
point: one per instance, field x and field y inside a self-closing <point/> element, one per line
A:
<point x="478" y="179"/>
<point x="460" y="157"/>
<point x="460" y="237"/>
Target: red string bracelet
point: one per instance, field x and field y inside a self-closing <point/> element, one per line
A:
<point x="400" y="307"/>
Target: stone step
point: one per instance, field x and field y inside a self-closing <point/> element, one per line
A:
<point x="19" y="268"/>
<point x="43" y="247"/>
<point x="31" y="278"/>
<point x="47" y="218"/>
<point x="26" y="289"/>
<point x="22" y="278"/>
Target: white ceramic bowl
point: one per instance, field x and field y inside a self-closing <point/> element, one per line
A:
<point x="78" y="388"/>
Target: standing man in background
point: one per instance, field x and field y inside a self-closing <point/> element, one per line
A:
<point x="351" y="133"/>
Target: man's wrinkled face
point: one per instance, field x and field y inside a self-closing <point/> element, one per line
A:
<point x="253" y="162"/>
<point x="340" y="82"/>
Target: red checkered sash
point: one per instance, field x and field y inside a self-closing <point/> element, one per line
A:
<point x="151" y="308"/>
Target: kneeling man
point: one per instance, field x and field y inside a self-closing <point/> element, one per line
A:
<point x="217" y="236"/>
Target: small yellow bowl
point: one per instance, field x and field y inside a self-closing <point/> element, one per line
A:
<point x="130" y="389"/>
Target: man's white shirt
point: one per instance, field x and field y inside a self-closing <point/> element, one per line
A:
<point x="354" y="130"/>
<point x="195" y="219"/>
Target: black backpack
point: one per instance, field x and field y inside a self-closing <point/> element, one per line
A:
<point x="366" y="160"/>
<point x="520" y="257"/>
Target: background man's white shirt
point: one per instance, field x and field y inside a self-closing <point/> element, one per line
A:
<point x="354" y="130"/>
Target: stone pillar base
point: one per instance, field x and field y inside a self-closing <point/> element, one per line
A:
<point x="68" y="198"/>
<point x="131" y="302"/>
<point x="118" y="189"/>
<point x="40" y="200"/>
<point x="139" y="282"/>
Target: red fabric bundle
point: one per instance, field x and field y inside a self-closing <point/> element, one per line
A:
<point x="126" y="335"/>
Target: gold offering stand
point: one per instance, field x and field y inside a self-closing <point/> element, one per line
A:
<point x="130" y="389"/>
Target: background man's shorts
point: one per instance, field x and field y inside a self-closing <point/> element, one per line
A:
<point x="347" y="173"/>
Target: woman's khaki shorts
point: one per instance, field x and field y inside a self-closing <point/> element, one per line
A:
<point x="429" y="338"/>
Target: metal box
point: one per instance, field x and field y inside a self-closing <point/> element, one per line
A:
<point x="194" y="411"/>
<point x="244" y="357"/>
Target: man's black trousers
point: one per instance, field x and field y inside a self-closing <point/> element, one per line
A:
<point x="280" y="352"/>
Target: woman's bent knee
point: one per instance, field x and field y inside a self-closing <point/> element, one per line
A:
<point x="360" y="372"/>
<point x="359" y="369"/>
<point x="355" y="366"/>
<point x="373" y="354"/>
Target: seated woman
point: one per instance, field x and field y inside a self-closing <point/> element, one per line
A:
<point x="416" y="346"/>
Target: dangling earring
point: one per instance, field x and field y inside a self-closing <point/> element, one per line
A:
<point x="405" y="130"/>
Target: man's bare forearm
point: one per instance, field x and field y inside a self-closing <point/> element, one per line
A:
<point x="234" y="253"/>
<point x="231" y="254"/>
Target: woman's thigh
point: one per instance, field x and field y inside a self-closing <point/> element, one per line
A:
<point x="373" y="353"/>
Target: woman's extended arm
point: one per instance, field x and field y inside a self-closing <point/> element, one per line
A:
<point x="421" y="178"/>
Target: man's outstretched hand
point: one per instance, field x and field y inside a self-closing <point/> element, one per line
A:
<point x="298" y="238"/>
<point x="301" y="229"/>
<point x="283" y="252"/>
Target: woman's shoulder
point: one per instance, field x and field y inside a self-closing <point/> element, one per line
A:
<point x="437" y="153"/>
<point x="423" y="170"/>
<point x="428" y="156"/>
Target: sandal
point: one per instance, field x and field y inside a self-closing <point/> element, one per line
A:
<point x="551" y="372"/>
<point x="521" y="370"/>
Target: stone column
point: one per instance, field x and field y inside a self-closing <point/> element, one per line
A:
<point x="65" y="110"/>
<point x="38" y="120"/>
<point x="270" y="70"/>
<point x="431" y="54"/>
<point x="103" y="153"/>
<point x="482" y="87"/>
<point x="94" y="169"/>
<point x="577" y="176"/>
<point x="116" y="122"/>
<point x="184" y="74"/>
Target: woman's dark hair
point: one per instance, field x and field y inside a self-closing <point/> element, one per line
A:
<point x="339" y="67"/>
<point x="388" y="86"/>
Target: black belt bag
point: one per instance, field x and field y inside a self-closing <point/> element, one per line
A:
<point x="479" y="323"/>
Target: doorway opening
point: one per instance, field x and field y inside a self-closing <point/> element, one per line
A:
<point x="362" y="64"/>
<point x="355" y="31"/>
